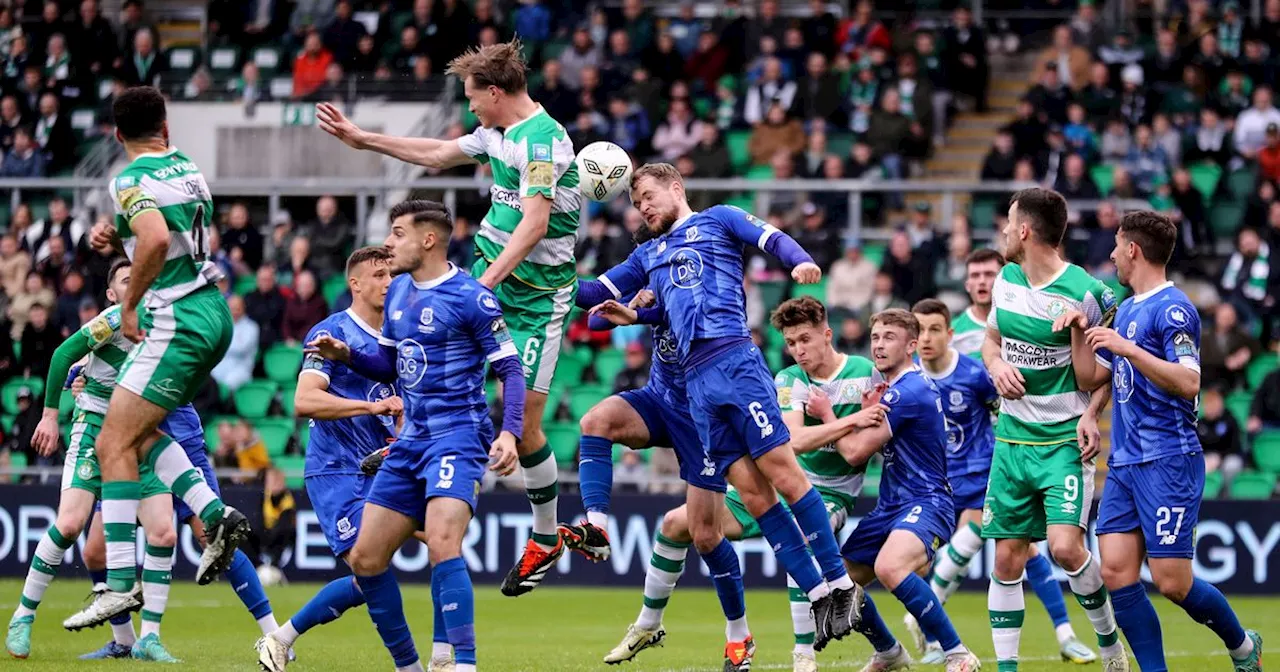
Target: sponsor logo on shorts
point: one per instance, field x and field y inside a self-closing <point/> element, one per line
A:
<point x="86" y="471"/>
<point x="708" y="467"/>
<point x="166" y="388"/>
<point x="987" y="515"/>
<point x="1069" y="508"/>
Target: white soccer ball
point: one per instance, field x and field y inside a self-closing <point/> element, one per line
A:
<point x="604" y="171"/>
<point x="270" y="576"/>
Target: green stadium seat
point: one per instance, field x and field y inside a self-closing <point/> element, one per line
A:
<point x="1262" y="364"/>
<point x="582" y="398"/>
<point x="1205" y="177"/>
<point x="736" y="142"/>
<point x="553" y="403"/>
<point x="982" y="213"/>
<point x="874" y="253"/>
<point x="773" y="357"/>
<point x="840" y="144"/>
<point x="1266" y="451"/>
<point x="1225" y="217"/>
<point x="1104" y="176"/>
<point x="1253" y="485"/>
<point x="275" y="433"/>
<point x="6" y="421"/>
<point x="871" y="486"/>
<point x="569" y="371"/>
<point x="333" y="288"/>
<point x="211" y="436"/>
<point x="772" y="293"/>
<point x="469" y="120"/>
<point x="269" y="60"/>
<point x="224" y="60"/>
<point x="9" y="393"/>
<point x="183" y="60"/>
<point x="282" y="362"/>
<point x="563" y="439"/>
<point x="552" y="49"/>
<point x="293" y="467"/>
<point x="1212" y="484"/>
<point x="761" y="173"/>
<point x="1242" y="184"/>
<point x="619" y="450"/>
<point x="744" y="201"/>
<point x="287" y="390"/>
<point x="817" y="290"/>
<point x="608" y="364"/>
<point x="253" y="399"/>
<point x="245" y="284"/>
<point x="17" y="461"/>
<point x="1238" y="404"/>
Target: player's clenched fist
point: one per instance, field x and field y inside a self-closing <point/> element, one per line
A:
<point x="502" y="456"/>
<point x="102" y="236"/>
<point x="392" y="406"/>
<point x="1008" y="380"/>
<point x="870" y="416"/>
<point x="807" y="273"/>
<point x="335" y="123"/>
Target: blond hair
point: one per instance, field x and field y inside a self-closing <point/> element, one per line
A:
<point x="664" y="173"/>
<point x="500" y="65"/>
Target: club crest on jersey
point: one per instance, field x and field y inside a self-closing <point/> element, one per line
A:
<point x="889" y="397"/>
<point x="957" y="399"/>
<point x="426" y="318"/>
<point x="488" y="304"/>
<point x="1057" y="308"/>
<point x="1177" y="315"/>
<point x="1133" y="329"/>
<point x="380" y="392"/>
<point x="691" y="234"/>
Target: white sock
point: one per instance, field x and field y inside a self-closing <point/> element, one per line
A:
<point x="842" y="583"/>
<point x="1086" y="583"/>
<point x="1065" y="633"/>
<point x="1244" y="650"/>
<point x="415" y="667"/>
<point x="953" y="559"/>
<point x="736" y="630"/>
<point x="960" y="648"/>
<point x="441" y="650"/>
<point x="598" y="518"/>
<point x="802" y="624"/>
<point x="819" y="591"/>
<point x="268" y="625"/>
<point x="286" y="634"/>
<point x="465" y="667"/>
<point x="43" y="567"/>
<point x="1007" y="607"/>
<point x="660" y="577"/>
<point x="124" y="634"/>
<point x="541" y="486"/>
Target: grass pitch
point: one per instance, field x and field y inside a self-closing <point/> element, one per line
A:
<point x="569" y="629"/>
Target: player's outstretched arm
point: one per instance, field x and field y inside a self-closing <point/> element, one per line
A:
<point x="766" y="237"/>
<point x="427" y="152"/>
<point x="622" y="280"/>
<point x="1180" y="377"/>
<point x="72" y="350"/>
<point x="535" y="218"/>
<point x="313" y="400"/>
<point x="379" y="365"/>
<point x="858" y="450"/>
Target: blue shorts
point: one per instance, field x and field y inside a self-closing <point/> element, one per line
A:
<point x="414" y="472"/>
<point x="969" y="491"/>
<point x="929" y="519"/>
<point x="200" y="460"/>
<point x="338" y="500"/>
<point x="734" y="406"/>
<point x="670" y="425"/>
<point x="1160" y="498"/>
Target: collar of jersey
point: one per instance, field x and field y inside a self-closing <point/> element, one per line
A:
<point x="1139" y="298"/>
<point x="944" y="374"/>
<point x="430" y="284"/>
<point x="678" y="223"/>
<point x="844" y="361"/>
<point x="157" y="155"/>
<point x="361" y="323"/>
<point x="1050" y="281"/>
<point x="512" y="126"/>
<point x="904" y="372"/>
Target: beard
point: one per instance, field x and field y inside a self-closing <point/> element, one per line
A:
<point x="400" y="265"/>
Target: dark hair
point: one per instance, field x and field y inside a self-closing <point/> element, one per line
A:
<point x="932" y="307"/>
<point x="799" y="312"/>
<point x="1045" y="211"/>
<point x="116" y="267"/>
<point x="982" y="256"/>
<point x="366" y="254"/>
<point x="424" y="212"/>
<point x="897" y="317"/>
<point x="1152" y="232"/>
<point x="139" y="112"/>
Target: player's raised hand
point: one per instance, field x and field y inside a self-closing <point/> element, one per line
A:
<point x="1104" y="337"/>
<point x="643" y="299"/>
<point x="329" y="348"/>
<point x="502" y="456"/>
<point x="872" y="396"/>
<point x="819" y="405"/>
<point x="392" y="406"/>
<point x="1008" y="380"/>
<point x="616" y="313"/>
<point x="807" y="273"/>
<point x="330" y="119"/>
<point x="1072" y="319"/>
<point x="45" y="438"/>
<point x="1088" y="435"/>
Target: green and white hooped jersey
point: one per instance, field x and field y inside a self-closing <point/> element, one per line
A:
<point x="970" y="333"/>
<point x="533" y="156"/>
<point x="108" y="350"/>
<point x="171" y="184"/>
<point x="1024" y="315"/>
<point x="825" y="466"/>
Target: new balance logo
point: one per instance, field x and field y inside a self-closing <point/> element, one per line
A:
<point x="766" y="431"/>
<point x="1168" y="540"/>
<point x="708" y="468"/>
<point x="452" y="606"/>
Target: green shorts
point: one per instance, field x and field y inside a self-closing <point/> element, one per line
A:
<point x="839" y="506"/>
<point x="538" y="320"/>
<point x="184" y="341"/>
<point x="80" y="469"/>
<point x="1032" y="487"/>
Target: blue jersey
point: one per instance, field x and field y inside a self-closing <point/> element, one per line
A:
<point x="183" y="426"/>
<point x="443" y="332"/>
<point x="338" y="446"/>
<point x="696" y="270"/>
<point x="915" y="458"/>
<point x="665" y="375"/>
<point x="1149" y="423"/>
<point x="968" y="399"/>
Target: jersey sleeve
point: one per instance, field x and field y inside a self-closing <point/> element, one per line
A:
<point x="132" y="197"/>
<point x="901" y="409"/>
<point x="626" y="278"/>
<point x="1179" y="329"/>
<point x="746" y="227"/>
<point x="539" y="166"/>
<point x="1100" y="304"/>
<point x="793" y="394"/>
<point x="996" y="291"/>
<point x="314" y="364"/>
<point x="96" y="332"/>
<point x="490" y="329"/>
<point x="476" y="144"/>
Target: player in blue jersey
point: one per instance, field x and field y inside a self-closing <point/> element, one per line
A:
<point x="1151" y="502"/>
<point x="695" y="267"/>
<point x="914" y="514"/>
<point x="350" y="417"/>
<point x="440" y="330"/>
<point x="969" y="399"/>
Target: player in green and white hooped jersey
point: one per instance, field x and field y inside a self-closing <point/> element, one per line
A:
<point x="162" y="205"/>
<point x="525" y="248"/>
<point x="981" y="268"/>
<point x="1041" y="483"/>
<point x="106" y="348"/>
<point x="821" y="401"/>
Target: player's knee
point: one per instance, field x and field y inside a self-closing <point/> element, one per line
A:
<point x="1010" y="561"/>
<point x="1173" y="582"/>
<point x="68" y="526"/>
<point x="890" y="571"/>
<point x="1115" y="573"/>
<point x="1069" y="552"/>
<point x="165" y="536"/>
<point x="443" y="545"/>
<point x="597" y="423"/>
<point x="675" y="525"/>
<point x="366" y="563"/>
<point x="706" y="536"/>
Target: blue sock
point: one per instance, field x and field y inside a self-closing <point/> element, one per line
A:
<point x="595" y="472"/>
<point x="328" y="604"/>
<point x="811" y="514"/>
<point x="457" y="603"/>
<point x="100" y="576"/>
<point x="726" y="574"/>
<point x="873" y="628"/>
<point x="1040" y="574"/>
<point x="1206" y="605"/>
<point x="1137" y="618"/>
<point x="914" y="594"/>
<point x="244" y="580"/>
<point x="788" y="545"/>
<point x="386" y="608"/>
<point x="439" y="631"/>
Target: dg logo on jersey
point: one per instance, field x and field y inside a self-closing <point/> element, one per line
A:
<point x="686" y="269"/>
<point x="1123" y="380"/>
<point x="411" y="363"/>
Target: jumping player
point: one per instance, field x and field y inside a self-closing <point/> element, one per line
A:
<point x="525" y="247"/>
<point x="438" y="318"/>
<point x="1156" y="479"/>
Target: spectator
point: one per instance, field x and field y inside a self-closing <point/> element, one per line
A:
<point x="1191" y="218"/>
<point x="708" y="63"/>
<point x="1208" y="58"/>
<point x="240" y="447"/>
<point x="1166" y="138"/>
<point x="635" y="373"/>
<point x="17" y="61"/>
<point x="1028" y="130"/>
<point x="1269" y="155"/>
<point x="131" y="22"/>
<point x="1050" y="96"/>
<point x="50" y="24"/>
<point x="889" y="134"/>
<point x="1136" y="105"/>
<point x="588" y="128"/>
<point x="1210" y="140"/>
<point x="710" y="155"/>
<point x="1256" y="65"/>
<point x="24" y="427"/>
<point x="1102" y="241"/>
<point x="298" y="261"/>
<point x="1078" y="134"/>
<point x="145" y="64"/>
<point x="15" y="264"/>
<point x="1246" y="279"/>
<point x="310" y="65"/>
<point x="680" y="133"/>
<point x="10" y="121"/>
<point x="771" y="89"/>
<point x="58" y="69"/>
<point x="1183" y="101"/>
<point x="663" y="59"/>
<point x="862" y="33"/>
<point x="777" y="133"/>
<point x="1219" y="436"/>
<point x="1233" y="94"/>
<point x="1098" y="97"/>
<point x="582" y="53"/>
<point x="1000" y="161"/>
<point x="1071" y="62"/>
<point x="279" y="517"/>
<point x="1146" y="162"/>
<point x="265" y="306"/>
<point x="59" y="224"/>
<point x="303" y="310"/>
<point x="884" y="295"/>
<point x="94" y="39"/>
<point x="850" y="280"/>
<point x="1251" y="126"/>
<point x="249" y="88"/>
<point x="817" y="96"/>
<point x="331" y="235"/>
<point x="965" y="58"/>
<point x="627" y="125"/>
<point x="66" y="310"/>
<point x="23" y="160"/>
<point x="917" y="95"/>
<point x="200" y="86"/>
<point x="1264" y="412"/>
<point x="241" y="239"/>
<point x="560" y="101"/>
<point x="54" y="135"/>
<point x="57" y="263"/>
<point x="236" y="367"/>
<point x="39" y="339"/>
<point x="364" y="61"/>
<point x="910" y="271"/>
<point x="1227" y="349"/>
<point x="815" y="237"/>
<point x="853" y="336"/>
<point x="601" y="248"/>
<point x="343" y="33"/>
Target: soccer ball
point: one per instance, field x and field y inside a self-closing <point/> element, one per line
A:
<point x="270" y="576"/>
<point x="604" y="171"/>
